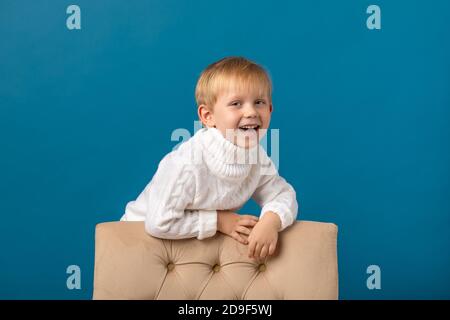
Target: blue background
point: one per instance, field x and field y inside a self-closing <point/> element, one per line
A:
<point x="86" y="115"/>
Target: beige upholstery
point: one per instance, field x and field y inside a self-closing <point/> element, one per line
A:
<point x="130" y="264"/>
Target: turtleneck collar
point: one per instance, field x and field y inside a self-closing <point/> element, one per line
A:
<point x="224" y="158"/>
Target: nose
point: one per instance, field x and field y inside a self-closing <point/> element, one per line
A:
<point x="250" y="111"/>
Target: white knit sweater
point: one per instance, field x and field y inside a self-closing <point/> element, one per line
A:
<point x="208" y="173"/>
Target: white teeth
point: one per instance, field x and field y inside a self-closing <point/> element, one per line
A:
<point x="249" y="127"/>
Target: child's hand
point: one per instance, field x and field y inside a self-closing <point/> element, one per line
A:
<point x="235" y="225"/>
<point x="264" y="236"/>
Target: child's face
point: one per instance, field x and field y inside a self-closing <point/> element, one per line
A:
<point x="237" y="108"/>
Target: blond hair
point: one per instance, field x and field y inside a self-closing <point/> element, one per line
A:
<point x="231" y="72"/>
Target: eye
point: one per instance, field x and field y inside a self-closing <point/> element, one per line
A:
<point x="235" y="103"/>
<point x="260" y="102"/>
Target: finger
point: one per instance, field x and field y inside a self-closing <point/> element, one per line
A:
<point x="242" y="229"/>
<point x="257" y="250"/>
<point x="238" y="237"/>
<point x="251" y="249"/>
<point x="252" y="217"/>
<point x="249" y="217"/>
<point x="247" y="222"/>
<point x="272" y="248"/>
<point x="264" y="251"/>
<point x="244" y="236"/>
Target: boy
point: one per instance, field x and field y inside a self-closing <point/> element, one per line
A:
<point x="196" y="186"/>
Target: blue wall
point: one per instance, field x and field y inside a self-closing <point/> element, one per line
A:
<point x="86" y="115"/>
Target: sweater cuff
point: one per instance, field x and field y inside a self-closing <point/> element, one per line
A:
<point x="207" y="223"/>
<point x="285" y="215"/>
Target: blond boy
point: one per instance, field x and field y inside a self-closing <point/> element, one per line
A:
<point x="198" y="187"/>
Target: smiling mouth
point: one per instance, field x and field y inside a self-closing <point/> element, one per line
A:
<point x="247" y="128"/>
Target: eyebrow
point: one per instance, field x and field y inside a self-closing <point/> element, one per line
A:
<point x="237" y="97"/>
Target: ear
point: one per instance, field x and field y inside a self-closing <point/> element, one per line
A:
<point x="206" y="116"/>
<point x="271" y="108"/>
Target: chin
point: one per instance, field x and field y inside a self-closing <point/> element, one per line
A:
<point x="247" y="142"/>
<point x="245" y="139"/>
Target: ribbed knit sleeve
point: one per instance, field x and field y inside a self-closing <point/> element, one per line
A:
<point x="275" y="194"/>
<point x="171" y="190"/>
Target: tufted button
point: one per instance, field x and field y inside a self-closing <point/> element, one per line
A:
<point x="170" y="266"/>
<point x="262" y="268"/>
<point x="216" y="268"/>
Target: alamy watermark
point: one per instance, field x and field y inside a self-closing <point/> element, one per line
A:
<point x="73" y="22"/>
<point x="74" y="279"/>
<point x="374" y="280"/>
<point x="258" y="145"/>
<point x="374" y="20"/>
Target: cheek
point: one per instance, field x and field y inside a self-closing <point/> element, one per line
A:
<point x="225" y="121"/>
<point x="265" y="115"/>
<point x="231" y="119"/>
